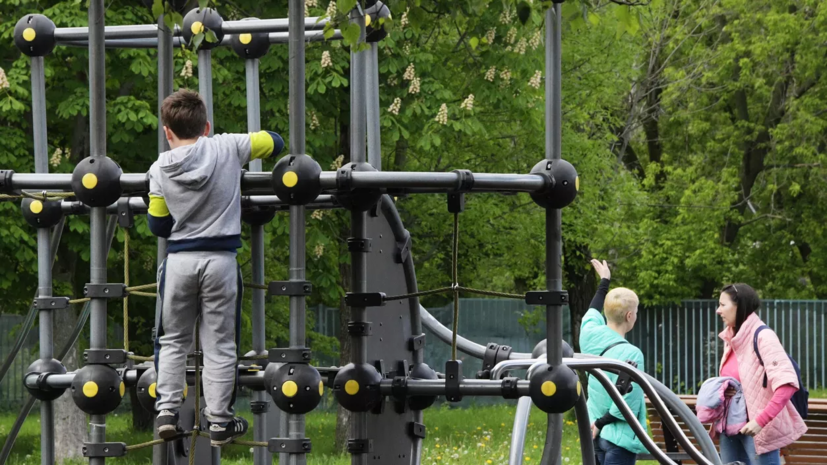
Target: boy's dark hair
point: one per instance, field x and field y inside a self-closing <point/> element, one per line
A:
<point x="185" y="114"/>
<point x="746" y="301"/>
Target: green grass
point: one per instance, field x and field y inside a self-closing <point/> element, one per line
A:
<point x="479" y="435"/>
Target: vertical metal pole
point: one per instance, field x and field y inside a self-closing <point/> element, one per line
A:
<point x="298" y="317"/>
<point x="554" y="239"/>
<point x="205" y="83"/>
<point x="260" y="455"/>
<point x="160" y="453"/>
<point x="44" y="256"/>
<point x="372" y="107"/>
<point x="98" y="252"/>
<point x="358" y="220"/>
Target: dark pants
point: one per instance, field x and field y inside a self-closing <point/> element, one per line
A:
<point x="610" y="454"/>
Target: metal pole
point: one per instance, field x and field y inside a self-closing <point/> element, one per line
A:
<point x="358" y="220"/>
<point x="98" y="246"/>
<point x="554" y="241"/>
<point x="260" y="455"/>
<point x="372" y="104"/>
<point x="44" y="257"/>
<point x="160" y="453"/>
<point x="298" y="317"/>
<point x="205" y="83"/>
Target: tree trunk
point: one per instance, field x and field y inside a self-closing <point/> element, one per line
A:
<point x="582" y="284"/>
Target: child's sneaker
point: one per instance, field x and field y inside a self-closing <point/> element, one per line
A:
<point x="225" y="433"/>
<point x="167" y="424"/>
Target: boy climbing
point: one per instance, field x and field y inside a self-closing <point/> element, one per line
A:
<point x="195" y="202"/>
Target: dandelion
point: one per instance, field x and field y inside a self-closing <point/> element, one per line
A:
<point x="490" y="35"/>
<point x="326" y="60"/>
<point x="314" y="120"/>
<point x="566" y="459"/>
<point x="442" y="118"/>
<point x="404" y="21"/>
<point x="491" y="74"/>
<point x="331" y="9"/>
<point x="511" y="36"/>
<point x="521" y="46"/>
<point x="536" y="39"/>
<point x="56" y="157"/>
<point x="395" y="106"/>
<point x="187" y="70"/>
<point x="4" y="81"/>
<point x="414" y="89"/>
<point x="337" y="163"/>
<point x="410" y="73"/>
<point x="318" y="251"/>
<point x="468" y="103"/>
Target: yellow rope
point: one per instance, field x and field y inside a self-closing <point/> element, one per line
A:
<point x="80" y="301"/>
<point x="141" y="287"/>
<point x="144" y="294"/>
<point x="140" y="358"/>
<point x="239" y="442"/>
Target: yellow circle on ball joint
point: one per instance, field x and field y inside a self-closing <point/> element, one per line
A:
<point x="197" y="27"/>
<point x="579" y="388"/>
<point x="36" y="207"/>
<point x="245" y="38"/>
<point x="352" y="387"/>
<point x="290" y="179"/>
<point x="122" y="389"/>
<point x="89" y="181"/>
<point x="549" y="388"/>
<point x="290" y="388"/>
<point x="577" y="183"/>
<point x="29" y="34"/>
<point x="151" y="390"/>
<point x="367" y="20"/>
<point x="321" y="388"/>
<point x="90" y="389"/>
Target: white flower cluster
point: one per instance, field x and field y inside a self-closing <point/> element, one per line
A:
<point x="511" y="36"/>
<point x="337" y="163"/>
<point x="187" y="70"/>
<point x="536" y="39"/>
<point x="406" y="49"/>
<point x="536" y="80"/>
<point x="314" y="120"/>
<point x="414" y="88"/>
<point x="318" y="251"/>
<point x="317" y="215"/>
<point x="57" y="156"/>
<point x="521" y="46"/>
<point x="331" y="9"/>
<point x="490" y="35"/>
<point x="491" y="74"/>
<point x="326" y="61"/>
<point x="410" y="73"/>
<point x="505" y="75"/>
<point x="442" y="115"/>
<point x="4" y="81"/>
<point x="468" y="103"/>
<point x="311" y="3"/>
<point x="393" y="80"/>
<point x="404" y="21"/>
<point x="507" y="16"/>
<point x="395" y="106"/>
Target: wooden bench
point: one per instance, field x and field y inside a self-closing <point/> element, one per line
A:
<point x="810" y="449"/>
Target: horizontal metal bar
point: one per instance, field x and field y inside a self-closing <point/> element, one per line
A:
<point x="467" y="387"/>
<point x="139" y="207"/>
<point x="275" y="38"/>
<point x="247" y="378"/>
<point x="269" y="25"/>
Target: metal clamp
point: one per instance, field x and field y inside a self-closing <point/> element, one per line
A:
<point x="547" y="297"/>
<point x="359" y="446"/>
<point x="453" y="377"/>
<point x="509" y="388"/>
<point x="104" y="449"/>
<point x="105" y="291"/>
<point x="257" y="406"/>
<point x="456" y="202"/>
<point x="403" y="249"/>
<point x="465" y="180"/>
<point x="359" y="328"/>
<point x="290" y="288"/>
<point x="365" y="299"/>
<point x="417" y="430"/>
<point x="126" y="219"/>
<point x="344" y="179"/>
<point x="494" y="354"/>
<point x="289" y="446"/>
<point x="51" y="303"/>
<point x="416" y="342"/>
<point x="302" y="355"/>
<point x="355" y="244"/>
<point x="5" y="181"/>
<point x="104" y="356"/>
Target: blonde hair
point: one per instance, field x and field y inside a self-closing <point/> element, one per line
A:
<point x="619" y="302"/>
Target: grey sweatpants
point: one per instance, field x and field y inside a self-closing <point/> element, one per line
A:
<point x="209" y="284"/>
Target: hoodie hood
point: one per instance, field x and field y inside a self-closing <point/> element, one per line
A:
<point x="190" y="166"/>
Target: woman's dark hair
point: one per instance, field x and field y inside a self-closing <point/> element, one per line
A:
<point x="746" y="301"/>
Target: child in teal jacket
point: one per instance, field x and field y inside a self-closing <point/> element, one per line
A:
<point x="615" y="441"/>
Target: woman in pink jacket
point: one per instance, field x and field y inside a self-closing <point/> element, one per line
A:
<point x="773" y="421"/>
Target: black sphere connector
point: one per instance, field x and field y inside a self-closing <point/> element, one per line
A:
<point x="554" y="389"/>
<point x="562" y="183"/>
<point x="97" y="181"/>
<point x="44" y="369"/>
<point x="97" y="389"/>
<point x="296" y="179"/>
<point x="359" y="200"/>
<point x="295" y="387"/>
<point x="146" y="389"/>
<point x="374" y="19"/>
<point x="421" y="371"/>
<point x="41" y="213"/>
<point x="356" y="387"/>
<point x="251" y="45"/>
<point x="541" y="349"/>
<point x="258" y="215"/>
<point x="34" y="35"/>
<point x="200" y="21"/>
